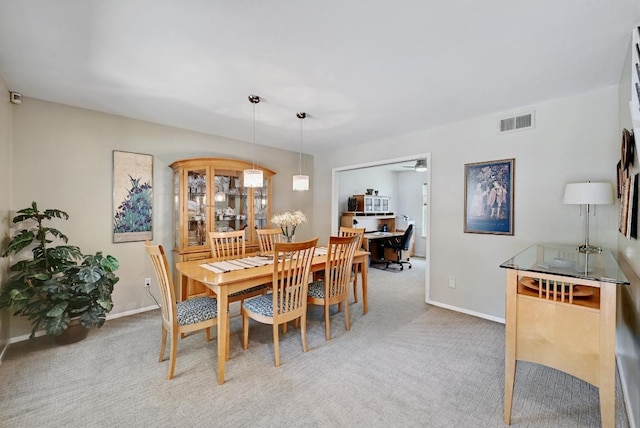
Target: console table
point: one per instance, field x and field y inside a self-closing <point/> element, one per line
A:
<point x="561" y="313"/>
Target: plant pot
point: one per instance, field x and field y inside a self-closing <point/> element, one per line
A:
<point x="74" y="333"/>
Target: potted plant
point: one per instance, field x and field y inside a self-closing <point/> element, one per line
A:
<point x="56" y="286"/>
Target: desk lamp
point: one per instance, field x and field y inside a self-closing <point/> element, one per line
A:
<point x="588" y="194"/>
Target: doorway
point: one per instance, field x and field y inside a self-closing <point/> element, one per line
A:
<point x="355" y="179"/>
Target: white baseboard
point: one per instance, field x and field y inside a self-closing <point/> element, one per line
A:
<point x="466" y="311"/>
<point x="631" y="416"/>
<point x="39" y="333"/>
<point x="133" y="312"/>
<point x="3" y="351"/>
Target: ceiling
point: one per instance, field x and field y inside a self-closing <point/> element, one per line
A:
<point x="362" y="70"/>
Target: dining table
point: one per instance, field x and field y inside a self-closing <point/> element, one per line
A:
<point x="223" y="281"/>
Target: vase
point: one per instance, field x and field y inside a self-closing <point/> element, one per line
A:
<point x="74" y="333"/>
<point x="287" y="238"/>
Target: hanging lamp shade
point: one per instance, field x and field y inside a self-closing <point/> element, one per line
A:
<point x="300" y="181"/>
<point x="253" y="177"/>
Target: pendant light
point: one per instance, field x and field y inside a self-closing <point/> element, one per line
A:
<point x="301" y="182"/>
<point x="253" y="177"/>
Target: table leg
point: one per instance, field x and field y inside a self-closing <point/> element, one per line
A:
<point x="607" y="387"/>
<point x="510" y="344"/>
<point x="363" y="270"/>
<point x="223" y="319"/>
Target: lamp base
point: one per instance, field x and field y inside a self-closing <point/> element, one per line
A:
<point x="589" y="249"/>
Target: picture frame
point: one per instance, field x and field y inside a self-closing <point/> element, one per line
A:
<point x="132" y="211"/>
<point x="489" y="197"/>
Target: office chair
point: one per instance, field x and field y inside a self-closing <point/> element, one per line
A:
<point x="398" y="244"/>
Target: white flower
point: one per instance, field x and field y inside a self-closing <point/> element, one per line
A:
<point x="288" y="222"/>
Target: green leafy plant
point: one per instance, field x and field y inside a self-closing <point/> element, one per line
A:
<point x="55" y="283"/>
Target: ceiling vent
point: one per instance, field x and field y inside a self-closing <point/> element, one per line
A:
<point x="517" y="123"/>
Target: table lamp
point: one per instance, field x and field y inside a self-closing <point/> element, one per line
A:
<point x="588" y="194"/>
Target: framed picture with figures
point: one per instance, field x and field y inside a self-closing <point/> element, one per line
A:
<point x="488" y="197"/>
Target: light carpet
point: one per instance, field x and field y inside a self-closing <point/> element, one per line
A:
<point x="405" y="364"/>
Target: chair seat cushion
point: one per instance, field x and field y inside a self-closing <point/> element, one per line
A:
<point x="316" y="289"/>
<point x="248" y="290"/>
<point x="262" y="305"/>
<point x="196" y="310"/>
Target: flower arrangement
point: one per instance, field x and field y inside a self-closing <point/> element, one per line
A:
<point x="288" y="222"/>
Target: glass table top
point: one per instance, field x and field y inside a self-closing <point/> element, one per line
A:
<point x="566" y="260"/>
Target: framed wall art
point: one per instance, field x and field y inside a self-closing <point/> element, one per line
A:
<point x="488" y="197"/>
<point x="132" y="197"/>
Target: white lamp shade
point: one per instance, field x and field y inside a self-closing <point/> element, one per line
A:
<point x="588" y="194"/>
<point x="301" y="182"/>
<point x="253" y="178"/>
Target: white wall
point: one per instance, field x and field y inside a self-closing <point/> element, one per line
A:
<point x="410" y="204"/>
<point x="5" y="194"/>
<point x="572" y="141"/>
<point x="62" y="158"/>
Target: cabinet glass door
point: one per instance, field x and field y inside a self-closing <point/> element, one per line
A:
<point x="377" y="205"/>
<point x="230" y="202"/>
<point x="260" y="209"/>
<point x="197" y="213"/>
<point x="385" y="204"/>
<point x="177" y="214"/>
<point x="368" y="204"/>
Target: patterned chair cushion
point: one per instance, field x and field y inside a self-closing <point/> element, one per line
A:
<point x="316" y="289"/>
<point x="248" y="290"/>
<point x="196" y="310"/>
<point x="262" y="305"/>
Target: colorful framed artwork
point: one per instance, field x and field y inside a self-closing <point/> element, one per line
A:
<point x="132" y="197"/>
<point x="488" y="197"/>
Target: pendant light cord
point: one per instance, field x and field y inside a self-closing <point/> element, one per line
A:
<point x="254" y="136"/>
<point x="300" y="173"/>
<point x="254" y="99"/>
<point x="301" y="115"/>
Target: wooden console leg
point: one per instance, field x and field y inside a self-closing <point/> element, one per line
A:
<point x="510" y="344"/>
<point x="607" y="387"/>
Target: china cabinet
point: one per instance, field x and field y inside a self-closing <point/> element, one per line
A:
<point x="208" y="195"/>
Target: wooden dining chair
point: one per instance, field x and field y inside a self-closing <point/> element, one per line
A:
<point x="334" y="288"/>
<point x="231" y="245"/>
<point x="351" y="231"/>
<point x="267" y="238"/>
<point x="179" y="318"/>
<point x="288" y="301"/>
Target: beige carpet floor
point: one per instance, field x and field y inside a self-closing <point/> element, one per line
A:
<point x="404" y="364"/>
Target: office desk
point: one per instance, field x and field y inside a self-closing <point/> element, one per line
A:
<point x="223" y="284"/>
<point x="370" y="244"/>
<point x="561" y="313"/>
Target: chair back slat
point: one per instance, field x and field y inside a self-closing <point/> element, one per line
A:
<point x="227" y="245"/>
<point x="167" y="292"/>
<point x="350" y="231"/>
<point x="337" y="271"/>
<point x="291" y="269"/>
<point x="267" y="238"/>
